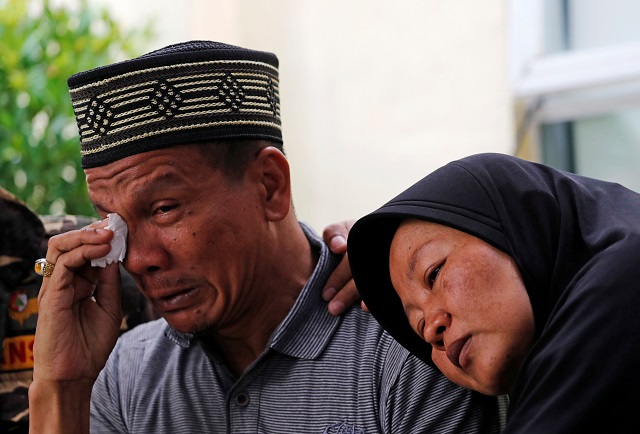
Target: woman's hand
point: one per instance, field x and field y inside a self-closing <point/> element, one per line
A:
<point x="340" y="290"/>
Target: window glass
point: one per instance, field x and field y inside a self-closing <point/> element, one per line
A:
<point x="586" y="24"/>
<point x="593" y="131"/>
<point x="608" y="147"/>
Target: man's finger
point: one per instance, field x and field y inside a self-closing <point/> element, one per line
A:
<point x="107" y="293"/>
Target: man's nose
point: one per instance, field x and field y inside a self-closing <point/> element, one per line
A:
<point x="145" y="252"/>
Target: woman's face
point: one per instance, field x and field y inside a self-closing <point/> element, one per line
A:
<point x="467" y="299"/>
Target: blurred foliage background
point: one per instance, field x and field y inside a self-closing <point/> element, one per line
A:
<point x="41" y="45"/>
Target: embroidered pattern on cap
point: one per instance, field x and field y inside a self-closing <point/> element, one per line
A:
<point x="192" y="100"/>
<point x="198" y="91"/>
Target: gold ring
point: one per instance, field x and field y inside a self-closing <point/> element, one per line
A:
<point x="44" y="267"/>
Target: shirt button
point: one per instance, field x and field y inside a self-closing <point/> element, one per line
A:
<point x="242" y="399"/>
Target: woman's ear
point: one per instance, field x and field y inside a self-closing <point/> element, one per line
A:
<point x="275" y="183"/>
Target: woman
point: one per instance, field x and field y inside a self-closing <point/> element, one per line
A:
<point x="522" y="280"/>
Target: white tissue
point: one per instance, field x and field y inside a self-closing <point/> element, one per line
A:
<point x="118" y="243"/>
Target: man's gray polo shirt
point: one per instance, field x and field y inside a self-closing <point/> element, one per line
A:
<point x="318" y="374"/>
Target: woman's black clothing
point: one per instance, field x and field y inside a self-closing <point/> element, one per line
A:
<point x="576" y="241"/>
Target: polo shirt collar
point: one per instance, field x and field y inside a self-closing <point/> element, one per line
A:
<point x="308" y="327"/>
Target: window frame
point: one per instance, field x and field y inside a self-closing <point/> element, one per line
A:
<point x="556" y="83"/>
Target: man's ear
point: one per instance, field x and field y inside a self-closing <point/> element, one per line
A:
<point x="275" y="183"/>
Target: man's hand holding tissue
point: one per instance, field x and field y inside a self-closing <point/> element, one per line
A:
<point x="80" y="315"/>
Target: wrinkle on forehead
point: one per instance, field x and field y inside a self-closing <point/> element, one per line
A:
<point x="163" y="160"/>
<point x="138" y="176"/>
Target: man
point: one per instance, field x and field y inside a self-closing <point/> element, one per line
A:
<point x="185" y="145"/>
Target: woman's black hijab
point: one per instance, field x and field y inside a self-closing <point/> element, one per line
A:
<point x="576" y="241"/>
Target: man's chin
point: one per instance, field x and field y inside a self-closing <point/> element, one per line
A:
<point x="188" y="327"/>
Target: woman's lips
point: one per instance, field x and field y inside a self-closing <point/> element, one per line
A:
<point x="454" y="349"/>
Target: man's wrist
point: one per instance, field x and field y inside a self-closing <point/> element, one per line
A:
<point x="59" y="407"/>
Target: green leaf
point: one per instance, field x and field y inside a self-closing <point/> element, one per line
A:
<point x="38" y="52"/>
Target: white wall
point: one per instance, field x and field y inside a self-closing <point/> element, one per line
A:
<point x="375" y="94"/>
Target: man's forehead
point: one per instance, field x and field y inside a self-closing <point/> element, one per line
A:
<point x="163" y="177"/>
<point x="157" y="163"/>
<point x="104" y="194"/>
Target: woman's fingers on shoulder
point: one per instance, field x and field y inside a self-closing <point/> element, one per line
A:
<point x="340" y="290"/>
<point x="335" y="235"/>
<point x="338" y="279"/>
<point x="344" y="299"/>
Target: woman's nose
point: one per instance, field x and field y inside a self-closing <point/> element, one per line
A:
<point x="435" y="326"/>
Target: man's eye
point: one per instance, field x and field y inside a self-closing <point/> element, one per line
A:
<point x="164" y="209"/>
<point x="434" y="274"/>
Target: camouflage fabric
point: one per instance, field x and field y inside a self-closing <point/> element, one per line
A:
<point x="23" y="239"/>
<point x="21" y="234"/>
<point x="58" y="224"/>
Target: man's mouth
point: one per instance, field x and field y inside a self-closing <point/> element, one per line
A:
<point x="176" y="300"/>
